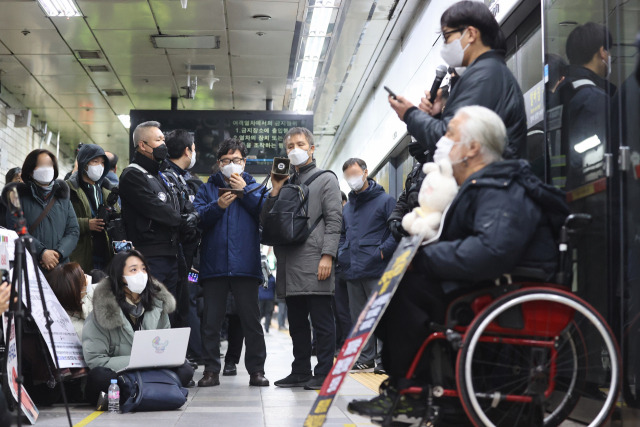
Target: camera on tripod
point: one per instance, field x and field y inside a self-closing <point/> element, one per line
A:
<point x="108" y="213"/>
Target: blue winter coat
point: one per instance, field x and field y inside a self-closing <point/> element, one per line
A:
<point x="231" y="240"/>
<point x="365" y="235"/>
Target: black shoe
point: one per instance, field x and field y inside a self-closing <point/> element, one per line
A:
<point x="229" y="369"/>
<point x="379" y="406"/>
<point x="363" y="366"/>
<point x="379" y="370"/>
<point x="209" y="379"/>
<point x="293" y="380"/>
<point x="193" y="364"/>
<point x="258" y="379"/>
<point x="191" y="384"/>
<point x="410" y="411"/>
<point x="315" y="383"/>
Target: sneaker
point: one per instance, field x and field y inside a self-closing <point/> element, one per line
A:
<point x="293" y="380"/>
<point x="379" y="406"/>
<point x="409" y="411"/>
<point x="315" y="383"/>
<point x="379" y="370"/>
<point x="363" y="366"/>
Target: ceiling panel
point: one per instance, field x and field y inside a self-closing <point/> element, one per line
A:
<point x="118" y="14"/>
<point x="220" y="61"/>
<point x="260" y="66"/>
<point x="270" y="86"/>
<point x="130" y="42"/>
<point x="140" y="65"/>
<point x="76" y="33"/>
<point x="86" y="100"/>
<point x="10" y="65"/>
<point x="106" y="80"/>
<point x="246" y="102"/>
<point x="277" y="43"/>
<point x="120" y="104"/>
<point x="67" y="84"/>
<point x="52" y="65"/>
<point x="91" y="115"/>
<point x="158" y="85"/>
<point x="283" y="15"/>
<point x="199" y="15"/>
<point x="23" y="15"/>
<point x="46" y="42"/>
<point x="102" y="127"/>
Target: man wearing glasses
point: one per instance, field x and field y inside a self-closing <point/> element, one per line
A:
<point x="474" y="45"/>
<point x="229" y="206"/>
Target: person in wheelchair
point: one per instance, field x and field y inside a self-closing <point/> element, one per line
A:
<point x="503" y="221"/>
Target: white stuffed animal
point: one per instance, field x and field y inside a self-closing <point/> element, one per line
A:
<point x="438" y="190"/>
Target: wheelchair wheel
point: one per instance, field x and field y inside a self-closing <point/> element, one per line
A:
<point x="538" y="356"/>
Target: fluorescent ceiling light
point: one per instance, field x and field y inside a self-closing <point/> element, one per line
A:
<point x="59" y="7"/>
<point x="186" y="42"/>
<point x="125" y="120"/>
<point x="587" y="144"/>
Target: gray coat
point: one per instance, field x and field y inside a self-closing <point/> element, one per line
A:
<point x="107" y="335"/>
<point x="297" y="272"/>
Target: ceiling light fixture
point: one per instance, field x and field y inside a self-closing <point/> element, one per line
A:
<point x="211" y="79"/>
<point x="589" y="143"/>
<point x="161" y="41"/>
<point x="125" y="120"/>
<point x="59" y="8"/>
<point x="184" y="3"/>
<point x="313" y="48"/>
<point x="262" y="17"/>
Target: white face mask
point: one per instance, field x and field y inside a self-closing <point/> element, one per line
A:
<point x="356" y="182"/>
<point x="453" y="53"/>
<point x="43" y="175"/>
<point x="443" y="148"/>
<point x="94" y="172"/>
<point x="193" y="160"/>
<point x="232" y="168"/>
<point x="298" y="156"/>
<point x="137" y="283"/>
<point x="607" y="63"/>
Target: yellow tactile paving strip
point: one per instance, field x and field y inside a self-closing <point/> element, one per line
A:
<point x="369" y="379"/>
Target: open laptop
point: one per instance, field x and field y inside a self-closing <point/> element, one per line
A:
<point x="158" y="348"/>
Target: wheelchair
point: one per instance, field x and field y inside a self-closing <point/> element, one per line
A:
<point x="528" y="353"/>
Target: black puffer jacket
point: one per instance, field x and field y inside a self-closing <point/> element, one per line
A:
<point x="502" y="218"/>
<point x="407" y="200"/>
<point x="486" y="82"/>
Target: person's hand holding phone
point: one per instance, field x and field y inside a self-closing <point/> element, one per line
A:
<point x="225" y="200"/>
<point x="400" y="105"/>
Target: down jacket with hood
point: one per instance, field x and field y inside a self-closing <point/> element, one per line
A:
<point x="107" y="336"/>
<point x="84" y="212"/>
<point x="59" y="230"/>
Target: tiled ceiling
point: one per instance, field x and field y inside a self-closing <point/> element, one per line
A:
<point x="40" y="64"/>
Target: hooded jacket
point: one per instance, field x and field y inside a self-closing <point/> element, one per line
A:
<point x="486" y="82"/>
<point x="502" y="219"/>
<point x="83" y="254"/>
<point x="297" y="272"/>
<point x="59" y="230"/>
<point x="231" y="237"/>
<point x="107" y="336"/>
<point x="365" y="236"/>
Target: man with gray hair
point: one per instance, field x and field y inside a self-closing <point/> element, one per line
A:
<point x="150" y="207"/>
<point x="502" y="222"/>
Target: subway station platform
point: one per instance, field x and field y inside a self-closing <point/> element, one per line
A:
<point x="234" y="402"/>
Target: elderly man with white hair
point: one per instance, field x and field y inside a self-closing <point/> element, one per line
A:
<point x="504" y="220"/>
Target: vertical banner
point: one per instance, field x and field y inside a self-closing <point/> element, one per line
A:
<point x="363" y="328"/>
<point x="27" y="406"/>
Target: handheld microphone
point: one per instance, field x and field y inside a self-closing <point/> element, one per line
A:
<point x="441" y="71"/>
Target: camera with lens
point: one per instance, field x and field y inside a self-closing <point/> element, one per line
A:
<point x="112" y="219"/>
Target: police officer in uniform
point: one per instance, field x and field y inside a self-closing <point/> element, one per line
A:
<point x="150" y="206"/>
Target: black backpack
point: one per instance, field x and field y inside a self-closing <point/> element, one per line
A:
<point x="287" y="223"/>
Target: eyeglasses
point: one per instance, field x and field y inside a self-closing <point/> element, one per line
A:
<point x="236" y="161"/>
<point x="446" y="34"/>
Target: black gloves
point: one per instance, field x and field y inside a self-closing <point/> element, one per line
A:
<point x="189" y="220"/>
<point x="397" y="231"/>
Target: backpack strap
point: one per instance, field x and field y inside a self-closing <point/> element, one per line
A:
<point x="316" y="175"/>
<point x="307" y="183"/>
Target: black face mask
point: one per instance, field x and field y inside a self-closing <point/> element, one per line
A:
<point x="418" y="152"/>
<point x="160" y="152"/>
